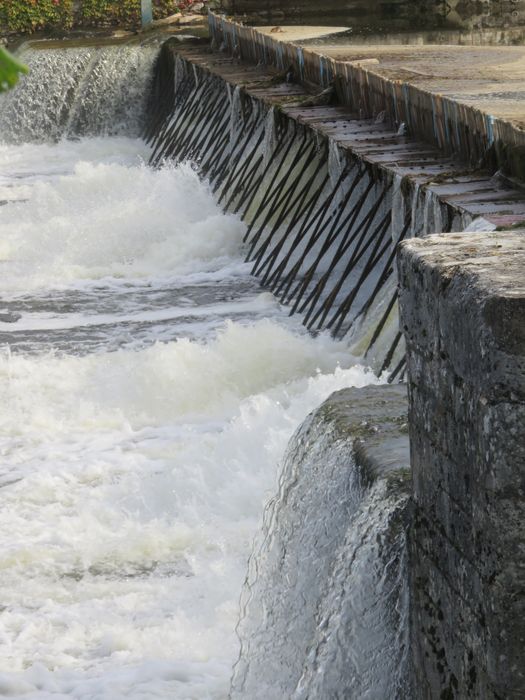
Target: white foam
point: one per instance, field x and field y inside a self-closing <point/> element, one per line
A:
<point x="142" y="477"/>
<point x="112" y="219"/>
<point x="133" y="481"/>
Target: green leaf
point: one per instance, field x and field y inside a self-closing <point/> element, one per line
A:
<point x="10" y="70"/>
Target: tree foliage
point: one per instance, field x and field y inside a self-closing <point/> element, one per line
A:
<point x="127" y="12"/>
<point x="32" y="15"/>
<point x="10" y="70"/>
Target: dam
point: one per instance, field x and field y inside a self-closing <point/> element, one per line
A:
<point x="221" y="274"/>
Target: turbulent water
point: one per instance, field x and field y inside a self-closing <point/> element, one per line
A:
<point x="149" y="391"/>
<point x="73" y="92"/>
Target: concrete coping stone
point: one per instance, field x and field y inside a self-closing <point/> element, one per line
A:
<point x="470" y="308"/>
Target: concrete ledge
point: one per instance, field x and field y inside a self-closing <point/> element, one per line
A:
<point x="462" y="299"/>
<point x="331" y="560"/>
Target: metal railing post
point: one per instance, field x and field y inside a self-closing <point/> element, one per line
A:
<point x="146" y="12"/>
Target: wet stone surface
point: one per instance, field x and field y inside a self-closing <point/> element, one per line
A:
<point x="462" y="301"/>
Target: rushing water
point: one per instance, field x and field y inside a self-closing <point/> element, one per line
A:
<point x="149" y="391"/>
<point x="325" y="604"/>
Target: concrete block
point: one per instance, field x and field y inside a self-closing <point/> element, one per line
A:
<point x="462" y="305"/>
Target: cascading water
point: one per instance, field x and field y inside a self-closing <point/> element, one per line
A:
<point x="150" y="391"/>
<point x="80" y="92"/>
<point x="325" y="602"/>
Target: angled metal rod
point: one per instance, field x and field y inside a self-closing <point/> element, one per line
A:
<point x="381" y="324"/>
<point x="209" y="169"/>
<point x="196" y="144"/>
<point x="318" y="230"/>
<point x="367" y="221"/>
<point x="271" y="192"/>
<point x="348" y="223"/>
<point x="283" y="207"/>
<point x="303" y="210"/>
<point x="215" y="156"/>
<point x="277" y="197"/>
<point x="362" y="228"/>
<point x="358" y="253"/>
<point x="399" y="370"/>
<point x="332" y="234"/>
<point x="348" y="240"/>
<point x="201" y="142"/>
<point x="390" y="353"/>
<point x="282" y="286"/>
<point x="221" y="157"/>
<point x="190" y="109"/>
<point x="210" y="126"/>
<point x="237" y="156"/>
<point x="236" y="181"/>
<point x="164" y="117"/>
<point x="210" y="146"/>
<point x="248" y="187"/>
<point x="385" y="273"/>
<point x="272" y="276"/>
<point x="180" y="132"/>
<point x="370" y="265"/>
<point x="374" y="258"/>
<point x="317" y="223"/>
<point x="264" y="173"/>
<point x="309" y="220"/>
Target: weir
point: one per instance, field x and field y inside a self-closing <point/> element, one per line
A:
<point x="332" y="167"/>
<point x="88" y="91"/>
<point x="385" y="568"/>
<point x="327" y="195"/>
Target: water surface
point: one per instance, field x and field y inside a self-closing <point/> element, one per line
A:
<point x="149" y="391"/>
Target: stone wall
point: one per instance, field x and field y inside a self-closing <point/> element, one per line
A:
<point x="462" y="302"/>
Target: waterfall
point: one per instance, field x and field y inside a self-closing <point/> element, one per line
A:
<point x="78" y="92"/>
<point x="324" y="609"/>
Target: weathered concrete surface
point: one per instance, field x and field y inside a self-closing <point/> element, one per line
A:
<point x="374" y="420"/>
<point x="462" y="299"/>
<point x="490" y="78"/>
<point x="458" y="128"/>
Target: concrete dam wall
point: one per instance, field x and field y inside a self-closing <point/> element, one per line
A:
<point x="326" y="195"/>
<point x="329" y="185"/>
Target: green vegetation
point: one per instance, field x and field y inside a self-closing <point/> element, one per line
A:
<point x="31" y="15"/>
<point x="10" y="70"/>
<point x="101" y="12"/>
<point x="126" y="12"/>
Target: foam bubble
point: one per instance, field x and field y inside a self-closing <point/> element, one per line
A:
<point x="133" y="481"/>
